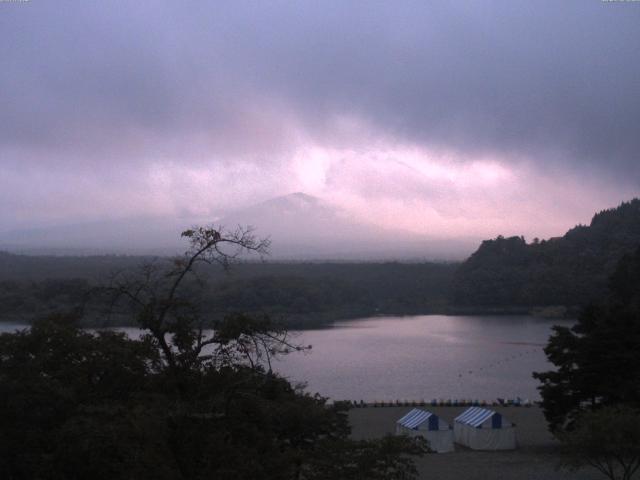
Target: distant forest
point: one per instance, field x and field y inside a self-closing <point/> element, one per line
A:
<point x="297" y="294"/>
<point x="505" y="275"/>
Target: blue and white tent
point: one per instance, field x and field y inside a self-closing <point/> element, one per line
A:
<point x="483" y="429"/>
<point x="428" y="425"/>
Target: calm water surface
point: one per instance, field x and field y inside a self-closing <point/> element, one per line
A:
<point x="420" y="357"/>
<point x="430" y="356"/>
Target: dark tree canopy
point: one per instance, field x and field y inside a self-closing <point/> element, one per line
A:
<point x="179" y="403"/>
<point x="608" y="440"/>
<point x="598" y="359"/>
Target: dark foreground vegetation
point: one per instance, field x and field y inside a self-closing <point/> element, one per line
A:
<point x="592" y="399"/>
<point x="177" y="403"/>
<point x="75" y="405"/>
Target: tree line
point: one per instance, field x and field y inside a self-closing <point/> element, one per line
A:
<point x="300" y="295"/>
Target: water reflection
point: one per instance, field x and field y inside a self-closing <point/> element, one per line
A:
<point x="424" y="357"/>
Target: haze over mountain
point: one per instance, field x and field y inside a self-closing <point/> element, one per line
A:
<point x="440" y="118"/>
<point x="300" y="226"/>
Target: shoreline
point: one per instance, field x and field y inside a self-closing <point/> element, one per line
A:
<point x="323" y="320"/>
<point x="442" y="403"/>
<point x="536" y="457"/>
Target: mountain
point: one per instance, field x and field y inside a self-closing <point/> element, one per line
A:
<point x="571" y="270"/>
<point x="305" y="227"/>
<point x="301" y="227"/>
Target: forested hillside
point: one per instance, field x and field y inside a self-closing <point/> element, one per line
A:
<point x="299" y="294"/>
<point x="570" y="270"/>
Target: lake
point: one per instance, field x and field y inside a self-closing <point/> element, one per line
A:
<point x="424" y="357"/>
<point x="420" y="357"/>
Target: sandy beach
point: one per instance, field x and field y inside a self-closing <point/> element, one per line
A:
<point x="536" y="457"/>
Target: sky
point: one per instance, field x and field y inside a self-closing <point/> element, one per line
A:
<point x="442" y="118"/>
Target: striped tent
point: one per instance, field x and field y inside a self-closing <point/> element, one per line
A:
<point x="484" y="429"/>
<point x="428" y="425"/>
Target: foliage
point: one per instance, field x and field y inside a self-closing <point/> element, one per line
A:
<point x="598" y="359"/>
<point x="569" y="270"/>
<point x="52" y="375"/>
<point x="384" y="458"/>
<point x="177" y="403"/>
<point x="608" y="440"/>
<point x="299" y="295"/>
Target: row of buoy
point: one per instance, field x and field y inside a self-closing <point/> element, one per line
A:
<point x="517" y="402"/>
<point x="501" y="361"/>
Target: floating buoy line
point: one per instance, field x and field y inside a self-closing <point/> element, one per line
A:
<point x="502" y="361"/>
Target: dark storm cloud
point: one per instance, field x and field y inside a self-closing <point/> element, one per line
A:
<point x="109" y="90"/>
<point x="550" y="80"/>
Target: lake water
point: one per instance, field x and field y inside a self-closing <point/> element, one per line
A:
<point x="420" y="357"/>
<point x="424" y="357"/>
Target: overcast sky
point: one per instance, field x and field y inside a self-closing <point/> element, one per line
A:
<point x="452" y="118"/>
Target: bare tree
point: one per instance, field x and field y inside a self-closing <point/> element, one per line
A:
<point x="160" y="295"/>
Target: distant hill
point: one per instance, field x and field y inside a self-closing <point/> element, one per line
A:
<point x="571" y="270"/>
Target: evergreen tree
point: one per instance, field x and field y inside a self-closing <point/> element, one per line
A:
<point x="598" y="359"/>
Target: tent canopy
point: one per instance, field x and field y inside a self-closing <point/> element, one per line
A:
<point x="483" y="429"/>
<point x="421" y="423"/>
<point x="418" y="419"/>
<point x="478" y="417"/>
